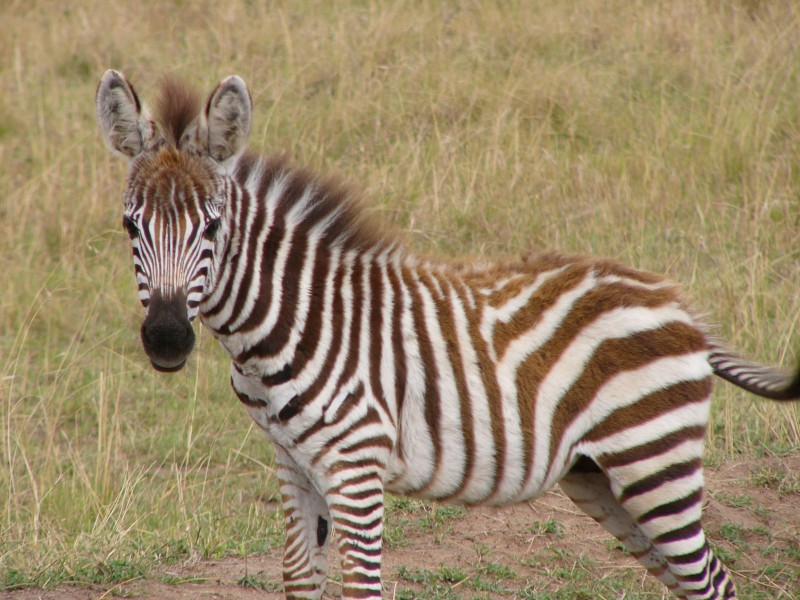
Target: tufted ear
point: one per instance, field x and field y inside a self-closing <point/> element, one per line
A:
<point x="228" y="116"/>
<point x="125" y="125"/>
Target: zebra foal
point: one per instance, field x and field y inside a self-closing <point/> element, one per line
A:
<point x="371" y="370"/>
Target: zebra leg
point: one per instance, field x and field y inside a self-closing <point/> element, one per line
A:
<point x="588" y="488"/>
<point x="663" y="495"/>
<point x="356" y="505"/>
<point x="305" y="556"/>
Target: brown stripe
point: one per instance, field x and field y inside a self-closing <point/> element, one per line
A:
<point x="523" y="273"/>
<point x="337" y="326"/>
<point x="260" y="281"/>
<point x="545" y="298"/>
<point x="248" y="400"/>
<point x="240" y="235"/>
<point x="289" y="299"/>
<point x="444" y="310"/>
<point x="672" y="508"/>
<point x="353" y="357"/>
<point x="367" y="466"/>
<point x="650" y="407"/>
<point x="431" y="395"/>
<point x="605" y="267"/>
<point x="398" y="350"/>
<point x="689" y="530"/>
<point x="613" y="357"/>
<point x="654" y="448"/>
<point x="290" y="409"/>
<point x="370" y="419"/>
<point x="691" y="557"/>
<point x="357" y="480"/>
<point x="375" y="337"/>
<point x="491" y="386"/>
<point x="347" y="405"/>
<point x="237" y="200"/>
<point x="656" y="480"/>
<point x="378" y="440"/>
<point x="585" y="310"/>
<point x="313" y="328"/>
<point x="277" y="338"/>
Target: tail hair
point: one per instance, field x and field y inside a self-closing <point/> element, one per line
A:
<point x="767" y="382"/>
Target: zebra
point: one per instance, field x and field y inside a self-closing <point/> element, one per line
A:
<point x="371" y="369"/>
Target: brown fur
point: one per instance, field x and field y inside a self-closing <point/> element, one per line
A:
<point x="448" y="331"/>
<point x="176" y="107"/>
<point x="159" y="172"/>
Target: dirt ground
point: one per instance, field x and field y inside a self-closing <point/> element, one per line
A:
<point x="753" y="504"/>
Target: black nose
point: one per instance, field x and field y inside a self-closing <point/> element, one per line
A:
<point x="167" y="334"/>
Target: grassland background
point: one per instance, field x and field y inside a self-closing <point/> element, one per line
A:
<point x="663" y="134"/>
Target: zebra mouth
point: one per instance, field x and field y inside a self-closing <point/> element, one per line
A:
<point x="167" y="334"/>
<point x="164" y="369"/>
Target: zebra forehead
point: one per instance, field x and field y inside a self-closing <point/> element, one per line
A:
<point x="172" y="180"/>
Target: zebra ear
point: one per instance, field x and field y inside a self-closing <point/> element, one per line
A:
<point x="125" y="125"/>
<point x="228" y="115"/>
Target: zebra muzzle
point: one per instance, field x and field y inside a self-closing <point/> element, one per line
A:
<point x="167" y="334"/>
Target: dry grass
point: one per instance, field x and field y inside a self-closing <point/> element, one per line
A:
<point x="666" y="135"/>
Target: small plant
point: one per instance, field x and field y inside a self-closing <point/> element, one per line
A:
<point x="497" y="570"/>
<point x="547" y="527"/>
<point x="778" y="480"/>
<point x="257" y="583"/>
<point x="732" y="533"/>
<point x="735" y="500"/>
<point x="482" y="551"/>
<point x="450" y="574"/>
<point x="438" y="515"/>
<point x="14" y="580"/>
<point x="437" y="584"/>
<point x="767" y="477"/>
<point x="614" y="545"/>
<point x="726" y="557"/>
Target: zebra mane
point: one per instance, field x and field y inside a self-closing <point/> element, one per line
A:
<point x="320" y="198"/>
<point x="177" y="105"/>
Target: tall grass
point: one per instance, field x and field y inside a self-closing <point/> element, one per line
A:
<point x="666" y="135"/>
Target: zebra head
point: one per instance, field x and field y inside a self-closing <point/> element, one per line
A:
<point x="175" y="197"/>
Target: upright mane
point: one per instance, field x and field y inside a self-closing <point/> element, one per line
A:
<point x="317" y="198"/>
<point x="176" y="107"/>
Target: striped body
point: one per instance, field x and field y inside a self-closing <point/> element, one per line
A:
<point x="371" y="369"/>
<point x="468" y="354"/>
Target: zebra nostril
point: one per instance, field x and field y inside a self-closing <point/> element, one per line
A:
<point x="167" y="334"/>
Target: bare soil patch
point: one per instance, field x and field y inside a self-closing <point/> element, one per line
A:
<point x="752" y="516"/>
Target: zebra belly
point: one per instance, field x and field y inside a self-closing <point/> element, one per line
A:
<point x="449" y="465"/>
<point x="403" y="473"/>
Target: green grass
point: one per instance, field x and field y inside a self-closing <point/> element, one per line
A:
<point x="666" y="135"/>
<point x="547" y="527"/>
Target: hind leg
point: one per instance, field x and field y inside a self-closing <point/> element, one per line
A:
<point x="662" y="493"/>
<point x="588" y="488"/>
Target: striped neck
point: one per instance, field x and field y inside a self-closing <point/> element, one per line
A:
<point x="282" y="230"/>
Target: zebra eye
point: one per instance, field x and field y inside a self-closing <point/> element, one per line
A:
<point x="211" y="229"/>
<point x="130" y="226"/>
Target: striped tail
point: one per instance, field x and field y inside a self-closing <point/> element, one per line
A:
<point x="767" y="382"/>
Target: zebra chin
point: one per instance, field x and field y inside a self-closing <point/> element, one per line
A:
<point x="161" y="368"/>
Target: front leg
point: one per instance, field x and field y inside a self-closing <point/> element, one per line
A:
<point x="305" y="556"/>
<point x="356" y="506"/>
